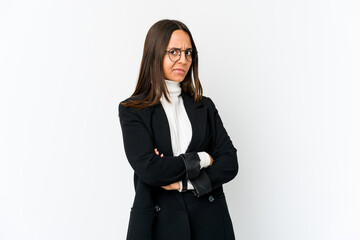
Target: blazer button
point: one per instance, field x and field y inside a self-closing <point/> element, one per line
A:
<point x="211" y="198"/>
<point x="157" y="208"/>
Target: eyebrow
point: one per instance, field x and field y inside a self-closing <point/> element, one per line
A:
<point x="180" y="48"/>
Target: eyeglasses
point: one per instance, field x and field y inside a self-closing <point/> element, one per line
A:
<point x="175" y="54"/>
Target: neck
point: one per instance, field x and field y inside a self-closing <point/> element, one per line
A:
<point x="173" y="87"/>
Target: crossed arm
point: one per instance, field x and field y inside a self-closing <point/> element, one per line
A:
<point x="158" y="170"/>
<point x="177" y="185"/>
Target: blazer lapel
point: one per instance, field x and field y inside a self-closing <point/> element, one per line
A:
<point x="197" y="116"/>
<point x="161" y="130"/>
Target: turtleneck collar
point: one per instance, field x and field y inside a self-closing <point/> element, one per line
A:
<point x="173" y="87"/>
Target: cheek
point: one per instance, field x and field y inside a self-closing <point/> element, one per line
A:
<point x="167" y="66"/>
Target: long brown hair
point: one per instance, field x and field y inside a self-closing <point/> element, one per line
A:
<point x="151" y="84"/>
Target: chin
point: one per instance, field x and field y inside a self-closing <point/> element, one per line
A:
<point x="180" y="79"/>
<point x="177" y="79"/>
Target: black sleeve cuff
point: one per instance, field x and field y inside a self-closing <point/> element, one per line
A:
<point x="184" y="183"/>
<point x="202" y="184"/>
<point x="192" y="164"/>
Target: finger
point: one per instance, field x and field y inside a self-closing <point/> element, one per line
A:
<point x="162" y="155"/>
<point x="211" y="160"/>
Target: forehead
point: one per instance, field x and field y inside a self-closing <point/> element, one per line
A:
<point x="179" y="39"/>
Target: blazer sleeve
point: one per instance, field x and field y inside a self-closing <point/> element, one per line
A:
<point x="148" y="166"/>
<point x="225" y="166"/>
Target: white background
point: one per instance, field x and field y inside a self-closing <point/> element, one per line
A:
<point x="283" y="74"/>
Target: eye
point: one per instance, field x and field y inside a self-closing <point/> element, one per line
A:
<point x="188" y="52"/>
<point x="174" y="51"/>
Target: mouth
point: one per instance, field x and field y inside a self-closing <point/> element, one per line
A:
<point x="179" y="70"/>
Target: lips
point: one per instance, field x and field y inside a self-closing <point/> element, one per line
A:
<point x="179" y="70"/>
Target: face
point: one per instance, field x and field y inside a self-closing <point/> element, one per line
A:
<point x="176" y="71"/>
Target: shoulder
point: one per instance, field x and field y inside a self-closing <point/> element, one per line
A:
<point x="208" y="102"/>
<point x="130" y="112"/>
<point x="122" y="109"/>
<point x="205" y="101"/>
<point x="132" y="98"/>
<point x="129" y="99"/>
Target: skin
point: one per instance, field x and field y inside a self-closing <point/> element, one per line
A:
<point x="176" y="71"/>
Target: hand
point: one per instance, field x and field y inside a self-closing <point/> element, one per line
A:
<point x="211" y="160"/>
<point x="173" y="186"/>
<point x="157" y="152"/>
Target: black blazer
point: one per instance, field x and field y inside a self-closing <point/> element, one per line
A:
<point x="160" y="214"/>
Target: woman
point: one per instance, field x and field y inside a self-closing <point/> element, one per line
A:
<point x="175" y="141"/>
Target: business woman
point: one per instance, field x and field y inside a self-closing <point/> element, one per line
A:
<point x="177" y="145"/>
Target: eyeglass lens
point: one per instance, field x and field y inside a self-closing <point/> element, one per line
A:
<point x="175" y="54"/>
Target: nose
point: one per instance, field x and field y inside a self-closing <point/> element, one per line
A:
<point x="182" y="59"/>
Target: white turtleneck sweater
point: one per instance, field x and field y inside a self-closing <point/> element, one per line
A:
<point x="180" y="125"/>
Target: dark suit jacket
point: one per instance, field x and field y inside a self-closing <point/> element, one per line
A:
<point x="160" y="214"/>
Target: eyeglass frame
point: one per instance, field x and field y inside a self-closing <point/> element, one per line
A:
<point x="193" y="53"/>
